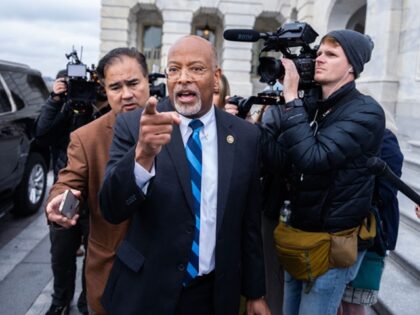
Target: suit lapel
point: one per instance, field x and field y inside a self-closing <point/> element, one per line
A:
<point x="176" y="152"/>
<point x="226" y="152"/>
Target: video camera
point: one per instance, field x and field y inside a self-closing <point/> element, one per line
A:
<point x="158" y="90"/>
<point x="270" y="69"/>
<point x="289" y="35"/>
<point x="83" y="87"/>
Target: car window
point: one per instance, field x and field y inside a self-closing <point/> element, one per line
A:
<point x="14" y="90"/>
<point x="26" y="87"/>
<point x="5" y="105"/>
<point x="38" y="87"/>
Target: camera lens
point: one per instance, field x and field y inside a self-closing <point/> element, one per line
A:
<point x="270" y="69"/>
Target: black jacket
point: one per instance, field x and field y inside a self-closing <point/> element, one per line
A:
<point x="325" y="164"/>
<point x="386" y="197"/>
<point x="53" y="127"/>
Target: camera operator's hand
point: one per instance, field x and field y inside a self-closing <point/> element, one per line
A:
<point x="155" y="131"/>
<point x="230" y="107"/>
<point x="59" y="88"/>
<point x="238" y="106"/>
<point x="53" y="212"/>
<point x="290" y="80"/>
<point x="257" y="307"/>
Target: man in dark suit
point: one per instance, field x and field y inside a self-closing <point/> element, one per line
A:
<point x="189" y="182"/>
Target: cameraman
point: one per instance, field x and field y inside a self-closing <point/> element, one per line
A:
<point x="321" y="149"/>
<point x="57" y="120"/>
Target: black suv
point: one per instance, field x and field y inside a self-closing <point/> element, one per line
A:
<point x="23" y="163"/>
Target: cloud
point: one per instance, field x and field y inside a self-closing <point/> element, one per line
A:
<point x="75" y="10"/>
<point x="40" y="34"/>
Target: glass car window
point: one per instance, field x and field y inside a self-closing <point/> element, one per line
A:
<point x="14" y="87"/>
<point x="28" y="88"/>
<point x="5" y="105"/>
<point x="38" y="88"/>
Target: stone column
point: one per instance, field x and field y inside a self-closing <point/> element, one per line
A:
<point x="379" y="79"/>
<point x="305" y="10"/>
<point x="237" y="56"/>
<point x="176" y="23"/>
<point x="114" y="24"/>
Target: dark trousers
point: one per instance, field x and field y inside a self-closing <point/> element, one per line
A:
<point x="64" y="245"/>
<point x="197" y="297"/>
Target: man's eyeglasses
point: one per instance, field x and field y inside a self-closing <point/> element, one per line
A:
<point x="173" y="73"/>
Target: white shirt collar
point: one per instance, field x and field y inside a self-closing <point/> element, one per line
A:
<point x="207" y="120"/>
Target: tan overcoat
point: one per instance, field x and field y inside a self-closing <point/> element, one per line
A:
<point x="88" y="153"/>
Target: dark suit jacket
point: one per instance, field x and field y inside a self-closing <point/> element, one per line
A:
<point x="150" y="267"/>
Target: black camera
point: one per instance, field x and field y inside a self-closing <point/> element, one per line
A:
<point x="273" y="97"/>
<point x="83" y="88"/>
<point x="158" y="90"/>
<point x="289" y="35"/>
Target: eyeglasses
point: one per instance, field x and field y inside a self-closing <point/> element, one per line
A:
<point x="173" y="73"/>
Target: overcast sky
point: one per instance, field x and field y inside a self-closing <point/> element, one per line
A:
<point x="39" y="33"/>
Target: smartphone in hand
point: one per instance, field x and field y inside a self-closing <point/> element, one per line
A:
<point x="69" y="204"/>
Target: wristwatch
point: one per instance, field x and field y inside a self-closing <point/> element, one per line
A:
<point x="54" y="95"/>
<point x="297" y="102"/>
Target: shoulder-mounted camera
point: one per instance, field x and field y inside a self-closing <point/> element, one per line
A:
<point x="83" y="87"/>
<point x="288" y="36"/>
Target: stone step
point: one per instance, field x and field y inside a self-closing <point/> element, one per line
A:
<point x="414" y="147"/>
<point x="407" y="251"/>
<point x="411" y="165"/>
<point x="406" y="205"/>
<point x="407" y="214"/>
<point x="411" y="180"/>
<point x="398" y="294"/>
<point x="401" y="278"/>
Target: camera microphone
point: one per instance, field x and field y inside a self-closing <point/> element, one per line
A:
<point x="379" y="168"/>
<point x="242" y="35"/>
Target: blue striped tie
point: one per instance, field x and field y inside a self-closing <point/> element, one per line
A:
<point x="194" y="157"/>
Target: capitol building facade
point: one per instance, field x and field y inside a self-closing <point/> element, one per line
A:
<point x="392" y="76"/>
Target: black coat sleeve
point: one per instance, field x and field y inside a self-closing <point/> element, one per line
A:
<point x="53" y="123"/>
<point x="357" y="129"/>
<point x="388" y="205"/>
<point x="120" y="196"/>
<point x="273" y="153"/>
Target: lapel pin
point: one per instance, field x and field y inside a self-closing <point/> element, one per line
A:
<point x="230" y="139"/>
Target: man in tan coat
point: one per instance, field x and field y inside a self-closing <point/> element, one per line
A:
<point x="123" y="73"/>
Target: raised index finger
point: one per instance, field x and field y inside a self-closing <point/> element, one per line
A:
<point x="150" y="108"/>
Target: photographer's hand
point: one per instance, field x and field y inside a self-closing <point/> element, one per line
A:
<point x="230" y="107"/>
<point x="59" y="88"/>
<point x="155" y="131"/>
<point x="290" y="81"/>
<point x="53" y="212"/>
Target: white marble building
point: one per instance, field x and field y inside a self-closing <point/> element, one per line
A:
<point x="392" y="76"/>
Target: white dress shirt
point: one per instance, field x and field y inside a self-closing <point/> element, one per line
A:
<point x="209" y="175"/>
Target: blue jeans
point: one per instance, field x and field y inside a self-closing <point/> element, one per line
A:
<point x="325" y="296"/>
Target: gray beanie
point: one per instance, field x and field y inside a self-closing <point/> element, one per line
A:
<point x="357" y="47"/>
